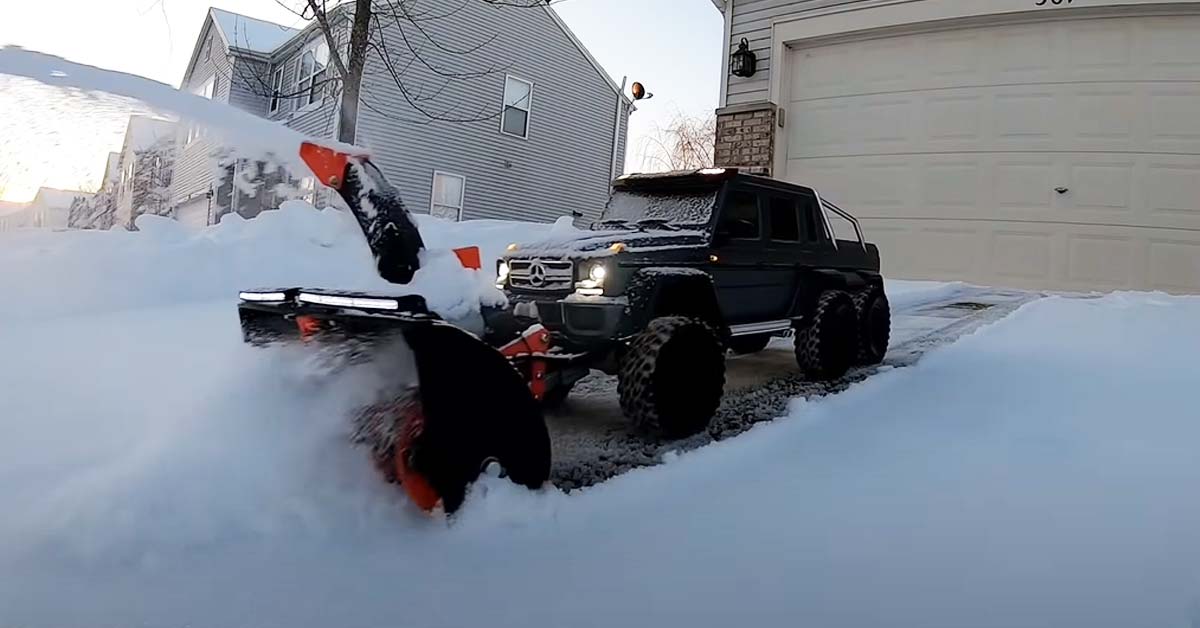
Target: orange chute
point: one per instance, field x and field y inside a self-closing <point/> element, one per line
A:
<point x="327" y="164"/>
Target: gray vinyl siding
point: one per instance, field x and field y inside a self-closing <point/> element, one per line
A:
<point x="194" y="170"/>
<point x="250" y="84"/>
<point x="314" y="119"/>
<point x="752" y="19"/>
<point x="563" y="165"/>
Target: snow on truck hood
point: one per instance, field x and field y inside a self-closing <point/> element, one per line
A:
<point x="585" y="244"/>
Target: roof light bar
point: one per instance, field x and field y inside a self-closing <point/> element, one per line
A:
<point x="711" y="171"/>
<point x="259" y="297"/>
<point x="362" y="303"/>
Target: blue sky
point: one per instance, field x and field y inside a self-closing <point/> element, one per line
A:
<point x="672" y="46"/>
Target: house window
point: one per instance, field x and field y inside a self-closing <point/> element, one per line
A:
<point x="447" y="199"/>
<point x="518" y="98"/>
<point x="310" y="72"/>
<point x="208" y="89"/>
<point x="208" y="48"/>
<point x="276" y="89"/>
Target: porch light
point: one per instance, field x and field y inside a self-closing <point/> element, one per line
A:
<point x="743" y="62"/>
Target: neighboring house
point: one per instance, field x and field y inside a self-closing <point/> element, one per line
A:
<point x="147" y="161"/>
<point x="100" y="211"/>
<point x="8" y="214"/>
<point x="554" y="122"/>
<point x="49" y="209"/>
<point x="1030" y="143"/>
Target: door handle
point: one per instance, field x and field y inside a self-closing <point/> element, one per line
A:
<point x="1062" y="190"/>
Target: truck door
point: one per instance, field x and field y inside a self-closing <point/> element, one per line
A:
<point x="746" y="288"/>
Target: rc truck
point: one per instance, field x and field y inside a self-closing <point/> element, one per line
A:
<point x="680" y="269"/>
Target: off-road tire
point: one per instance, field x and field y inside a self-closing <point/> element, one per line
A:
<point x="874" y="325"/>
<point x="743" y="345"/>
<point x="827" y="340"/>
<point x="672" y="377"/>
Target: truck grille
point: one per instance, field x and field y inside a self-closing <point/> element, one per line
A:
<point x="541" y="274"/>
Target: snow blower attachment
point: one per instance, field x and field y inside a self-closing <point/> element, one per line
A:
<point x="470" y="407"/>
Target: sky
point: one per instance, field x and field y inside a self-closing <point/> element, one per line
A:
<point x="56" y="140"/>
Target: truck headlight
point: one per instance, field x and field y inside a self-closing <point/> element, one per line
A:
<point x="593" y="285"/>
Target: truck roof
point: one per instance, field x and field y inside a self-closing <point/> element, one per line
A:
<point x="702" y="179"/>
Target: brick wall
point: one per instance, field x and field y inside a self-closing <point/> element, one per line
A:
<point x="746" y="137"/>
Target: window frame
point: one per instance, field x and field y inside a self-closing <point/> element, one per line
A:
<point x="799" y="224"/>
<point x="276" y="102"/>
<point x="724" y="212"/>
<point x="312" y="47"/>
<point x="528" y="108"/>
<point x="462" y="196"/>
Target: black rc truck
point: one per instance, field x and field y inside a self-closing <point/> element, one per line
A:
<point x="682" y="267"/>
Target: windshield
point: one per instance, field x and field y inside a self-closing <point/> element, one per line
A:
<point x="629" y="209"/>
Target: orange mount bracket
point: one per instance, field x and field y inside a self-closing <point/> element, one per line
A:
<point x="327" y="164"/>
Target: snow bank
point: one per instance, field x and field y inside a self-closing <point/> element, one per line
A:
<point x="89" y="272"/>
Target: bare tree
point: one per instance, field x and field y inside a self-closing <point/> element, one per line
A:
<point x="404" y="43"/>
<point x="687" y="144"/>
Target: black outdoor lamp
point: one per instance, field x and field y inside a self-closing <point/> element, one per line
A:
<point x="743" y="62"/>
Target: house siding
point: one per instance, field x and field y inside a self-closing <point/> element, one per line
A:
<point x="752" y="19"/>
<point x="563" y="165"/>
<point x="194" y="171"/>
<point x="249" y="85"/>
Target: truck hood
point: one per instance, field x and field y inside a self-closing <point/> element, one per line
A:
<point x="599" y="243"/>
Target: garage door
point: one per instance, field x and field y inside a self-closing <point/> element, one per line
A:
<point x="194" y="214"/>
<point x="1060" y="154"/>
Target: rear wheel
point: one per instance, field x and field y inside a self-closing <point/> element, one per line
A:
<point x="827" y="341"/>
<point x="874" y="325"/>
<point x="672" y="377"/>
<point x="743" y="345"/>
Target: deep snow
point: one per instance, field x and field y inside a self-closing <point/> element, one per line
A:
<point x="155" y="471"/>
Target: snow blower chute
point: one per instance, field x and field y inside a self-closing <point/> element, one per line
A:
<point x="470" y="407"/>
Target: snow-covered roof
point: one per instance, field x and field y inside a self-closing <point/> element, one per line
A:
<point x="145" y="131"/>
<point x="247" y="33"/>
<point x="53" y="198"/>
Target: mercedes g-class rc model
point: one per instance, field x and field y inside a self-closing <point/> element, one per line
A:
<point x="682" y="267"/>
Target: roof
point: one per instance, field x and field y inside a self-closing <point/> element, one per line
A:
<point x="11" y="207"/>
<point x="246" y="33"/>
<point x="53" y="198"/>
<point x="145" y="131"/>
<point x="587" y="55"/>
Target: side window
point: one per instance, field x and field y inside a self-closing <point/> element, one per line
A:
<point x="785" y="220"/>
<point x="811" y="215"/>
<point x="740" y="220"/>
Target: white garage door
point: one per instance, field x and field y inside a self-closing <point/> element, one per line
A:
<point x="1061" y="154"/>
<point x="194" y="214"/>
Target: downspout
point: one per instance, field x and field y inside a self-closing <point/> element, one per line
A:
<point x="612" y="171"/>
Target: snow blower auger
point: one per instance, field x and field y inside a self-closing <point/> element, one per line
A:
<point x="470" y="407"/>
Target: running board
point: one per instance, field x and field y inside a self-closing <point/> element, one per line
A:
<point x="753" y="329"/>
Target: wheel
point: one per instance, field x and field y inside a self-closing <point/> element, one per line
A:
<point x="672" y="377"/>
<point x="827" y="341"/>
<point x="874" y="324"/>
<point x="742" y="345"/>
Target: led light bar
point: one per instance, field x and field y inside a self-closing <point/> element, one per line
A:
<point x="262" y="296"/>
<point x="362" y="303"/>
<point x="712" y="171"/>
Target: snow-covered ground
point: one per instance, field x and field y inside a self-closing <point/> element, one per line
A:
<point x="155" y="471"/>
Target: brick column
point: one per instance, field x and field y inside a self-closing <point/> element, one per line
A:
<point x="746" y="137"/>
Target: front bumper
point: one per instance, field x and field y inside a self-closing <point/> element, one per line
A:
<point x="584" y="318"/>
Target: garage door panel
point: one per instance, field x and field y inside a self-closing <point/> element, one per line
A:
<point x="1171" y="48"/>
<point x="947" y="251"/>
<point x="1172" y="190"/>
<point x="1174" y="114"/>
<point x="1023" y="184"/>
<point x="1174" y="265"/>
<point x="1023" y="54"/>
<point x="819" y="128"/>
<point x="951" y="187"/>
<point x="1022" y="254"/>
<point x="1100" y="50"/>
<point x="1105" y="261"/>
<point x="1101" y="186"/>
<point x="884" y="125"/>
<point x="1103" y="118"/>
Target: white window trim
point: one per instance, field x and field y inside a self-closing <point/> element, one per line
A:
<point x="462" y="199"/>
<point x="306" y="101"/>
<point x="276" y="90"/>
<point x="528" y="108"/>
